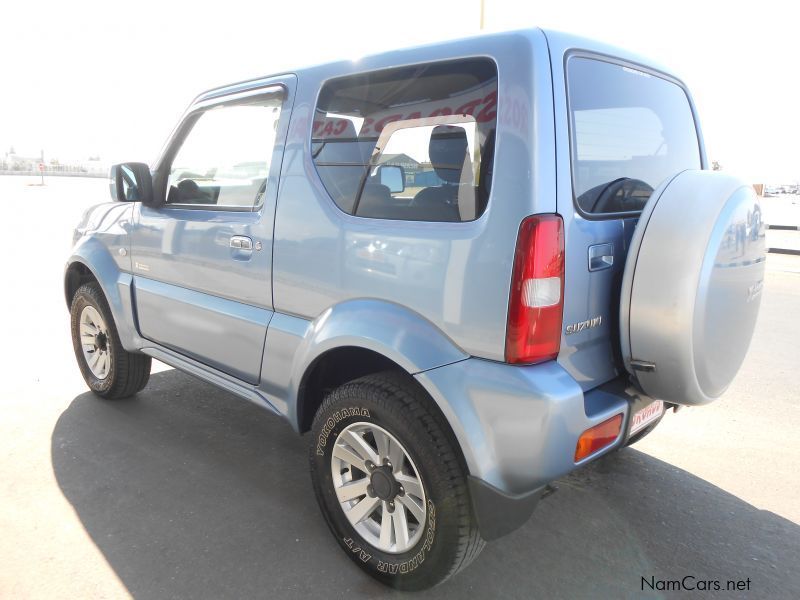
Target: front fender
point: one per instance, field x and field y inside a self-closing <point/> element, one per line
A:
<point x="293" y="345"/>
<point x="104" y="249"/>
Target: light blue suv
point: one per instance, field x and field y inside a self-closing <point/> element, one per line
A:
<point x="466" y="269"/>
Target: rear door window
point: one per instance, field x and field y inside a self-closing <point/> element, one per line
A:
<point x="630" y="131"/>
<point x="413" y="143"/>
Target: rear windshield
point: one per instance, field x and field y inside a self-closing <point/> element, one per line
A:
<point x="413" y="143"/>
<point x="630" y="131"/>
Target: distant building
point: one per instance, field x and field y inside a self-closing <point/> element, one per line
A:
<point x="401" y="160"/>
<point x="16" y="162"/>
<point x="410" y="166"/>
<point x="11" y="161"/>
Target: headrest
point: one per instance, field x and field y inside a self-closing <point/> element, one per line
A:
<point x="340" y="143"/>
<point x="448" y="150"/>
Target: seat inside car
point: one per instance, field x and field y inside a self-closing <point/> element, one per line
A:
<point x="454" y="199"/>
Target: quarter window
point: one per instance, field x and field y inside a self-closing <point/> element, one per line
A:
<point x="225" y="159"/>
<point x="630" y="131"/>
<point x="414" y="143"/>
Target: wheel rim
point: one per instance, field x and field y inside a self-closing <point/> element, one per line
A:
<point x="94" y="342"/>
<point x="378" y="487"/>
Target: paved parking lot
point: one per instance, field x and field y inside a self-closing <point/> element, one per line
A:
<point x="188" y="492"/>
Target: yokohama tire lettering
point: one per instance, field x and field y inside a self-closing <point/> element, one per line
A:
<point x="333" y="420"/>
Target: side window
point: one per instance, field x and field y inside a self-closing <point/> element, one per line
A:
<point x="411" y="143"/>
<point x="225" y="159"/>
<point x="630" y="131"/>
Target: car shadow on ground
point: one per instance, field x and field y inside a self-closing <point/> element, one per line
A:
<point x="190" y="492"/>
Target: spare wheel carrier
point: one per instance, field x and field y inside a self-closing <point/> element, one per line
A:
<point x="692" y="286"/>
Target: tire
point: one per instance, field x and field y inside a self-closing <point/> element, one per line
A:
<point x="118" y="373"/>
<point x="393" y="407"/>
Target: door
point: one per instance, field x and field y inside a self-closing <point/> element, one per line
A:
<point x="202" y="261"/>
<point x="629" y="130"/>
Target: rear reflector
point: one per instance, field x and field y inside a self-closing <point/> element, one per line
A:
<point x="536" y="302"/>
<point x="598" y="437"/>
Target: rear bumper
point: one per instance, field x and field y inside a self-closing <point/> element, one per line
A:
<point x="518" y="427"/>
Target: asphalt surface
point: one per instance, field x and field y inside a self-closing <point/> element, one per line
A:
<point x="188" y="492"/>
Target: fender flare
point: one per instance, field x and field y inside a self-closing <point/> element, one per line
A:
<point x="406" y="338"/>
<point x="117" y="286"/>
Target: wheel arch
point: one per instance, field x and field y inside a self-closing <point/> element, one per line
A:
<point x="346" y="341"/>
<point x="91" y="261"/>
<point x="326" y="373"/>
<point x="332" y="369"/>
<point x="76" y="275"/>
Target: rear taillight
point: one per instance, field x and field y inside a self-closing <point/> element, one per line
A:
<point x="536" y="304"/>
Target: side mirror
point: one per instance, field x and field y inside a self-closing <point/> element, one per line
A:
<point x="393" y="177"/>
<point x="131" y="182"/>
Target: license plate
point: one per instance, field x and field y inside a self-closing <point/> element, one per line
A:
<point x="644" y="417"/>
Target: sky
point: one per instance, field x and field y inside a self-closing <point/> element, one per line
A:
<point x="111" y="79"/>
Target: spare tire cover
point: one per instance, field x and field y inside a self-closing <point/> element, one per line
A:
<point x="692" y="286"/>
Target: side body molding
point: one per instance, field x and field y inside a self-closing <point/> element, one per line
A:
<point x="293" y="344"/>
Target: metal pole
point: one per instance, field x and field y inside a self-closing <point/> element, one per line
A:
<point x="482" y="11"/>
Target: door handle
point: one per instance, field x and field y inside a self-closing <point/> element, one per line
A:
<point x="241" y="242"/>
<point x="601" y="256"/>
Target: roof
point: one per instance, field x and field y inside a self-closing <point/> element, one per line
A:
<point x="557" y="40"/>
